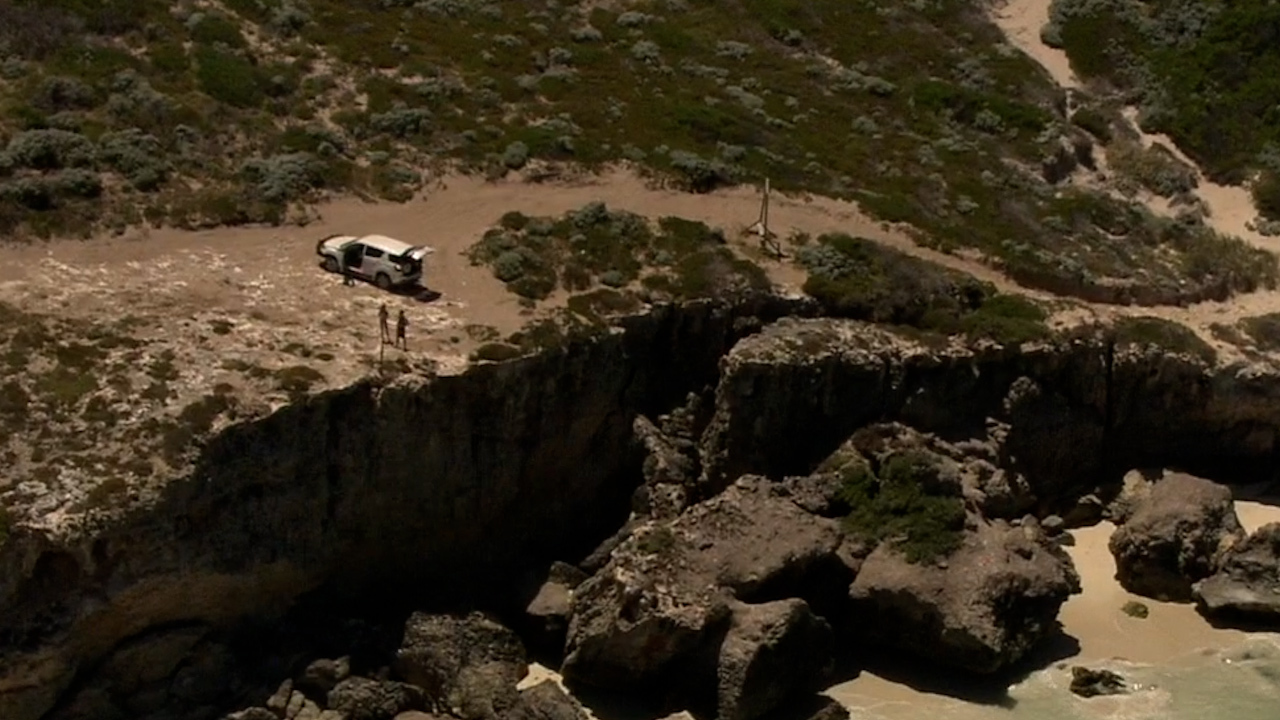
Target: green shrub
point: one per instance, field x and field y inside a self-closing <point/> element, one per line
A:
<point x="1135" y="609"/>
<point x="1163" y="334"/>
<point x="215" y="28"/>
<point x="1094" y="123"/>
<point x="714" y="272"/>
<point x="280" y="178"/>
<point x="1007" y="319"/>
<point x="14" y="399"/>
<point x="497" y="352"/>
<point x="603" y="302"/>
<point x="228" y="78"/>
<point x="904" y="503"/>
<point x="514" y="220"/>
<point x="1263" y="330"/>
<point x="136" y="155"/>
<point x="860" y="279"/>
<point x="50" y="150"/>
<point x="6" y="525"/>
<point x="1266" y="194"/>
<point x="298" y="379"/>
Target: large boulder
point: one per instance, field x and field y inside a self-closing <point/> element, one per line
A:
<point x="545" y="701"/>
<point x="772" y="651"/>
<point x="1087" y="682"/>
<point x="661" y="608"/>
<point x="1248" y="583"/>
<point x="469" y="664"/>
<point x="360" y="698"/>
<point x="981" y="609"/>
<point x="547" y="614"/>
<point x="1174" y="536"/>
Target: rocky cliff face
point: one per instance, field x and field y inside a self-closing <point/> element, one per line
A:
<point x="454" y="487"/>
<point x="1067" y="414"/>
<point x="448" y="485"/>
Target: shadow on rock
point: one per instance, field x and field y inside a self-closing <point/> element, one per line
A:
<point x="993" y="689"/>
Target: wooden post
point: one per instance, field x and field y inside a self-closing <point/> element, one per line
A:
<point x="764" y="208"/>
<point x="761" y="228"/>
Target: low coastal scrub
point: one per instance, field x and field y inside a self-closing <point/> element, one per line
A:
<point x="604" y="256"/>
<point x="1166" y="335"/>
<point x="195" y="116"/>
<point x="1206" y="73"/>
<point x="857" y="278"/>
<point x="1263" y="331"/>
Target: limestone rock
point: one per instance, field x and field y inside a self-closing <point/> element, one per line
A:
<point x="253" y="713"/>
<point x="1248" y="583"/>
<point x="470" y="663"/>
<point x="545" y="701"/>
<point x="547" y="614"/>
<point x="1175" y="537"/>
<point x="984" y="608"/>
<point x="364" y="699"/>
<point x="665" y="593"/>
<point x="1091" y="683"/>
<point x="321" y="675"/>
<point x="279" y="700"/>
<point x="668" y="461"/>
<point x="772" y="651"/>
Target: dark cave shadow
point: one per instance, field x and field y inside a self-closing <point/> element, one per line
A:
<point x="622" y="706"/>
<point x="1265" y="492"/>
<point x="970" y="687"/>
<point x="1240" y="621"/>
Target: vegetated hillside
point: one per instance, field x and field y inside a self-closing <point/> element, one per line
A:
<point x="228" y="111"/>
<point x="1207" y="72"/>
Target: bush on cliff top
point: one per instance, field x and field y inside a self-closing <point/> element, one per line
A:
<point x="903" y="502"/>
<point x="860" y="279"/>
<point x="593" y="248"/>
<point x="1163" y="334"/>
<point x="1263" y="330"/>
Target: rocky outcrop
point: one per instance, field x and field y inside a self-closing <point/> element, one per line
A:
<point x="713" y="597"/>
<point x="547" y="614"/>
<point x="1174" y="537"/>
<point x="359" y="698"/>
<point x="448" y="487"/>
<point x="1069" y="415"/>
<point x="986" y="606"/>
<point x="1247" y="583"/>
<point x="469" y="665"/>
<point x="546" y="701"/>
<point x="772" y="652"/>
<point x="455" y="487"/>
<point x="1087" y="682"/>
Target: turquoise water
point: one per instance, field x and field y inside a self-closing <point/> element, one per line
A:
<point x="1237" y="683"/>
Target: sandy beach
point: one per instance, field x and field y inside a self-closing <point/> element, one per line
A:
<point x="1173" y="633"/>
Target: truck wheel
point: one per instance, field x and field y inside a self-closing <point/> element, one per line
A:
<point x="330" y="264"/>
<point x="383" y="281"/>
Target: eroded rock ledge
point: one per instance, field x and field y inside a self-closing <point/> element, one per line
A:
<point x="463" y="488"/>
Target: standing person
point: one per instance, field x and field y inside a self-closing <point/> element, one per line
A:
<point x="382" y="324"/>
<point x="402" y="324"/>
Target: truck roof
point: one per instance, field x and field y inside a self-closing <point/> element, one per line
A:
<point x="389" y="245"/>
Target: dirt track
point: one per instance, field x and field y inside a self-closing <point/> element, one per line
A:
<point x="266" y="280"/>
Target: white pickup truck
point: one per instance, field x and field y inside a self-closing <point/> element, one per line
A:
<point x="384" y="261"/>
